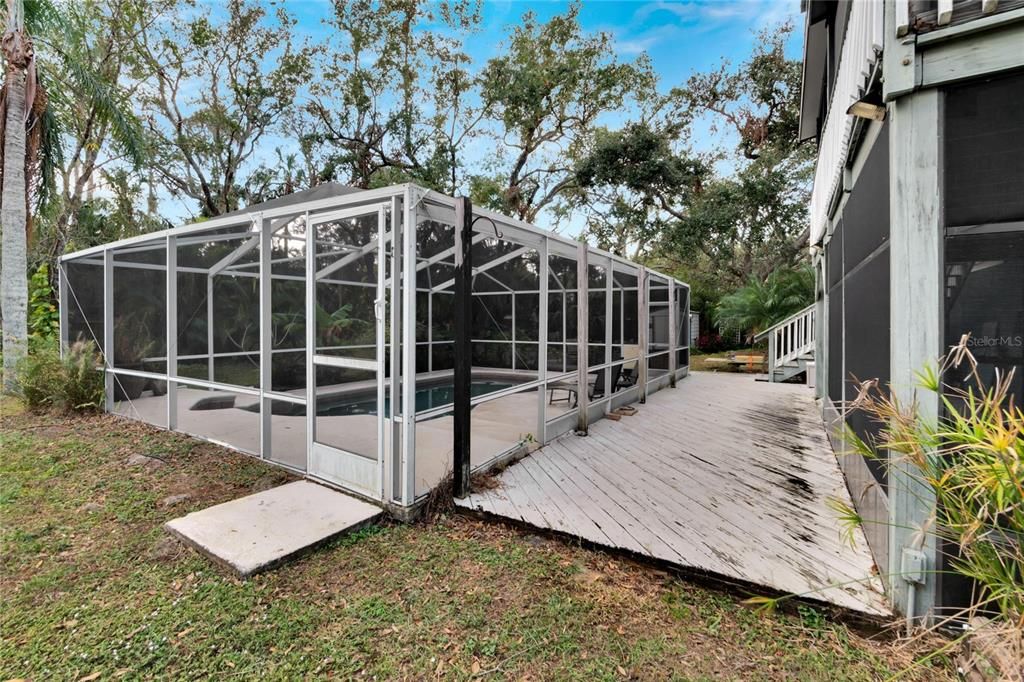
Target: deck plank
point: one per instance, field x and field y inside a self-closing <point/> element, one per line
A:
<point x="722" y="474"/>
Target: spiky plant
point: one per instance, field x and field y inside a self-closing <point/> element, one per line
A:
<point x="761" y="303"/>
<point x="971" y="458"/>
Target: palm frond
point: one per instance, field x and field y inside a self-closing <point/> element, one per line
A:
<point x="104" y="97"/>
<point x="51" y="157"/>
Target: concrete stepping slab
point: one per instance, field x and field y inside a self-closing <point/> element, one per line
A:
<point x="260" y="531"/>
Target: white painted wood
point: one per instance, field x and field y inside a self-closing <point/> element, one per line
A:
<point x="858" y="57"/>
<point x="902" y="16"/>
<point x="790" y="342"/>
<point x="998" y="50"/>
<point x="915" y="249"/>
<point x="724" y="475"/>
<point x="945" y="12"/>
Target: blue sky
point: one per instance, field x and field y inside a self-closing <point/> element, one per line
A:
<point x="680" y="38"/>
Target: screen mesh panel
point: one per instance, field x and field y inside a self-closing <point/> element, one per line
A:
<point x="984" y="150"/>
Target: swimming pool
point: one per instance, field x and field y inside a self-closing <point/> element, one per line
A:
<point x="427" y="398"/>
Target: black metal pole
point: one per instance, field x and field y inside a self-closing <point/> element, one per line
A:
<point x="463" y="351"/>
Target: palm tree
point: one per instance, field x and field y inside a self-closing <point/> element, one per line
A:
<point x="19" y="92"/>
<point x="30" y="136"/>
<point x="761" y="303"/>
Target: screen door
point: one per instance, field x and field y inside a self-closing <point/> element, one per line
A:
<point x="345" y="347"/>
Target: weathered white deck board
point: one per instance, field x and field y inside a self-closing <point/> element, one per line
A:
<point x="723" y="474"/>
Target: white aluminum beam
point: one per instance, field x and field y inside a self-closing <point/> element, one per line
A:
<point x="266" y="337"/>
<point x="487" y="266"/>
<point x="247" y="246"/>
<point x="172" y="331"/>
<point x="582" y="336"/>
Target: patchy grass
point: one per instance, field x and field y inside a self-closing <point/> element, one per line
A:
<point x="708" y="362"/>
<point x="92" y="585"/>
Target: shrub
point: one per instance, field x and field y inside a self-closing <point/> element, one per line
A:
<point x="760" y="304"/>
<point x="40" y="375"/>
<point x="81" y="387"/>
<point x="972" y="460"/>
<point x="72" y="383"/>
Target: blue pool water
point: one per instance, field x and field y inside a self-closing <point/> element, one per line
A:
<point x="427" y="398"/>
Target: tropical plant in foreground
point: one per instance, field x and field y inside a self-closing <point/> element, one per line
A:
<point x="73" y="382"/>
<point x="970" y="457"/>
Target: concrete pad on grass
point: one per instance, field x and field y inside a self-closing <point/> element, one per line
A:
<point x="258" y="532"/>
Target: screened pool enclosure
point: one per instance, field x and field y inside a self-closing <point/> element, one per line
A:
<point x="324" y="332"/>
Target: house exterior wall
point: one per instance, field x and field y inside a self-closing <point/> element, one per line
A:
<point x="933" y="191"/>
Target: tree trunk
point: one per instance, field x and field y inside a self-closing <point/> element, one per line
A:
<point x="13" y="217"/>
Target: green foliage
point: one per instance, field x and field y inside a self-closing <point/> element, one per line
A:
<point x="643" y="189"/>
<point x="546" y="92"/>
<point x="213" y="89"/>
<point x="39" y="376"/>
<point x="72" y="383"/>
<point x="972" y="460"/>
<point x="762" y="303"/>
<point x="81" y="386"/>
<point x="43" y="316"/>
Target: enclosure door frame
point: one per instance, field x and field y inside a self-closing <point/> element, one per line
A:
<point x="346" y="469"/>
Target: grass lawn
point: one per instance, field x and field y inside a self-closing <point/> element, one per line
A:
<point x="92" y="588"/>
<point x="699" y="361"/>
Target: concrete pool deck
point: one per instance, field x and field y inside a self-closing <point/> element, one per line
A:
<point x="497" y="426"/>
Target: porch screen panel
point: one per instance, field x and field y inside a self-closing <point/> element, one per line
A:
<point x="218" y="307"/>
<point x="984" y="152"/>
<point x="140" y="309"/>
<point x="435" y="302"/>
<point x="866" y="289"/>
<point x="288" y="308"/>
<point x="657" y="336"/>
<point x="867" y="344"/>
<point x="625" y="328"/>
<point x="84" y="279"/>
<point x="983" y="207"/>
<point x="346" y="397"/>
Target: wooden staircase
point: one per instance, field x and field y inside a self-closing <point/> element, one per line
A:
<point x="790" y="345"/>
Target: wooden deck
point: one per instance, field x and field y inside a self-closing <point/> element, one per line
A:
<point x="723" y="474"/>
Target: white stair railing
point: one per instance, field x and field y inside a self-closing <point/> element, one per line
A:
<point x="789" y="340"/>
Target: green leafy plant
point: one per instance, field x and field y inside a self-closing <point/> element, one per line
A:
<point x="73" y="383"/>
<point x="43" y="317"/>
<point x="761" y="303"/>
<point x="972" y="460"/>
<point x="39" y="375"/>
<point x="81" y="386"/>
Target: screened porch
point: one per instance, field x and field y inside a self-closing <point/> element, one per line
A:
<point x="318" y="331"/>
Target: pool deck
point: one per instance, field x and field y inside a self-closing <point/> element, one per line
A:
<point x="723" y="476"/>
